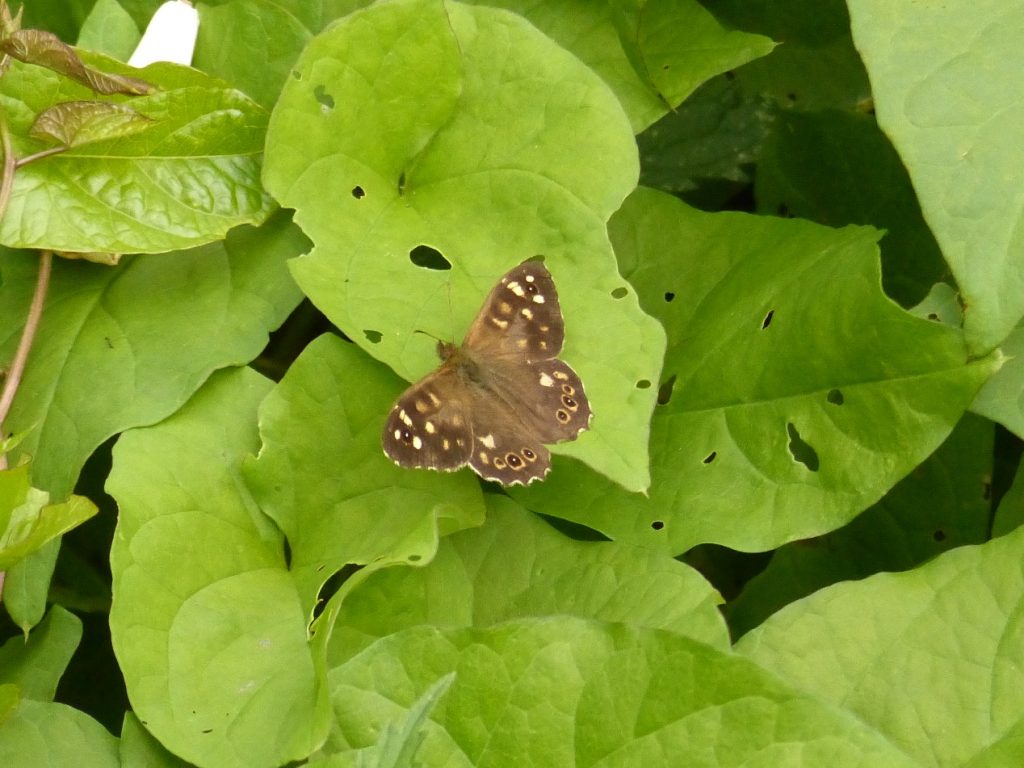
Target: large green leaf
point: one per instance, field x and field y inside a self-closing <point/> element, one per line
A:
<point x="517" y="566"/>
<point x="323" y="478"/>
<point x="186" y="179"/>
<point x="932" y="658"/>
<point x="37" y="662"/>
<point x="206" y="621"/>
<point x="801" y="392"/>
<point x="464" y="129"/>
<point x="563" y="691"/>
<point x="948" y="92"/>
<point x="124" y="346"/>
<point x="46" y="735"/>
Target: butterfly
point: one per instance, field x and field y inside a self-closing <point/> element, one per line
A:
<point x="495" y="400"/>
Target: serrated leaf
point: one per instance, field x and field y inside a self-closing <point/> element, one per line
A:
<point x="74" y="123"/>
<point x="451" y="144"/>
<point x="800" y="393"/>
<point x="931" y="658"/>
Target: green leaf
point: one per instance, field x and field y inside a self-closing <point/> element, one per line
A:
<point x="235" y="34"/>
<point x="1002" y="397"/>
<point x="27" y="519"/>
<point x="187" y="179"/>
<point x="563" y="692"/>
<point x="139" y="748"/>
<point x="517" y="566"/>
<point x="323" y="478"/>
<point x="110" y="30"/>
<point x="9" y="700"/>
<point x="37" y="663"/>
<point x="206" y="621"/>
<point x="837" y="168"/>
<point x="1010" y="513"/>
<point x="943" y="503"/>
<point x="27" y="586"/>
<point x="931" y="658"/>
<point x="426" y="123"/>
<point x="51" y="735"/>
<point x="74" y="123"/>
<point x="947" y="90"/>
<point x="800" y="394"/>
<point x="44" y="49"/>
<point x="124" y="346"/>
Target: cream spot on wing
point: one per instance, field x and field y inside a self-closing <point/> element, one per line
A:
<point x="460" y="442"/>
<point x="543" y="328"/>
<point x="517" y="289"/>
<point x="521" y="343"/>
<point x="527" y="313"/>
<point x="434" y="399"/>
<point x="421" y="406"/>
<point x="457" y="422"/>
<point x="416" y="442"/>
<point x="429" y="426"/>
<point x="543" y="344"/>
<point x="561" y="375"/>
<point x="483" y="457"/>
<point x="405" y="418"/>
<point x="546" y="381"/>
<point x="398" y="434"/>
<point x="503" y="324"/>
<point x="530" y="278"/>
<point x="446" y="444"/>
<point x="505" y="307"/>
<point x="538" y="299"/>
<point x="488" y="441"/>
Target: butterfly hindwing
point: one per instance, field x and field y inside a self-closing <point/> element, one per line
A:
<point x="504" y="448"/>
<point x="429" y="425"/>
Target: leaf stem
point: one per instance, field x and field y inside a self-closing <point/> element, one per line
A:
<point x="28" y="334"/>
<point x="39" y="155"/>
<point x="10" y="163"/>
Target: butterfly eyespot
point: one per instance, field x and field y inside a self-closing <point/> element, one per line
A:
<point x="569" y="403"/>
<point x="405" y="436"/>
<point x="568" y="389"/>
<point x="499" y="463"/>
<point x="513" y="461"/>
<point x="531" y="288"/>
<point x="563" y="416"/>
<point x="528" y="454"/>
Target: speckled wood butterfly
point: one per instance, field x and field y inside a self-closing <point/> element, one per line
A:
<point x="498" y="398"/>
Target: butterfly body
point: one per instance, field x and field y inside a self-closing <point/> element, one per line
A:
<point x="496" y="399"/>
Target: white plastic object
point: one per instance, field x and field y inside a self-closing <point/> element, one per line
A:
<point x="170" y="36"/>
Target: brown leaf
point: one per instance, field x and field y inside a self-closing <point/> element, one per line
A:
<point x="73" y="123"/>
<point x="45" y="49"/>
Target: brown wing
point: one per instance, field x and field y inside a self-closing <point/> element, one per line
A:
<point x="521" y="318"/>
<point x="505" y="450"/>
<point x="429" y="425"/>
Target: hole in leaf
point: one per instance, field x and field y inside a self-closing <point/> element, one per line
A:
<point x="939" y="535"/>
<point x="791" y="96"/>
<point x="373" y="337"/>
<point x="414" y="558"/>
<point x="835" y="397"/>
<point x="801" y="450"/>
<point x="401" y="183"/>
<point x="358" y="193"/>
<point x="296" y="74"/>
<point x="665" y="390"/>
<point x="669" y="296"/>
<point x="620" y="293"/>
<point x="332" y="585"/>
<point x="287" y="553"/>
<point x="767" y="319"/>
<point x="643" y="384"/>
<point x="428" y="258"/>
<point x="933" y="316"/>
<point x="710" y="457"/>
<point x="658" y="525"/>
<point x="322" y="96"/>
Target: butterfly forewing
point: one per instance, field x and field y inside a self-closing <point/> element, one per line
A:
<point x="521" y="317"/>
